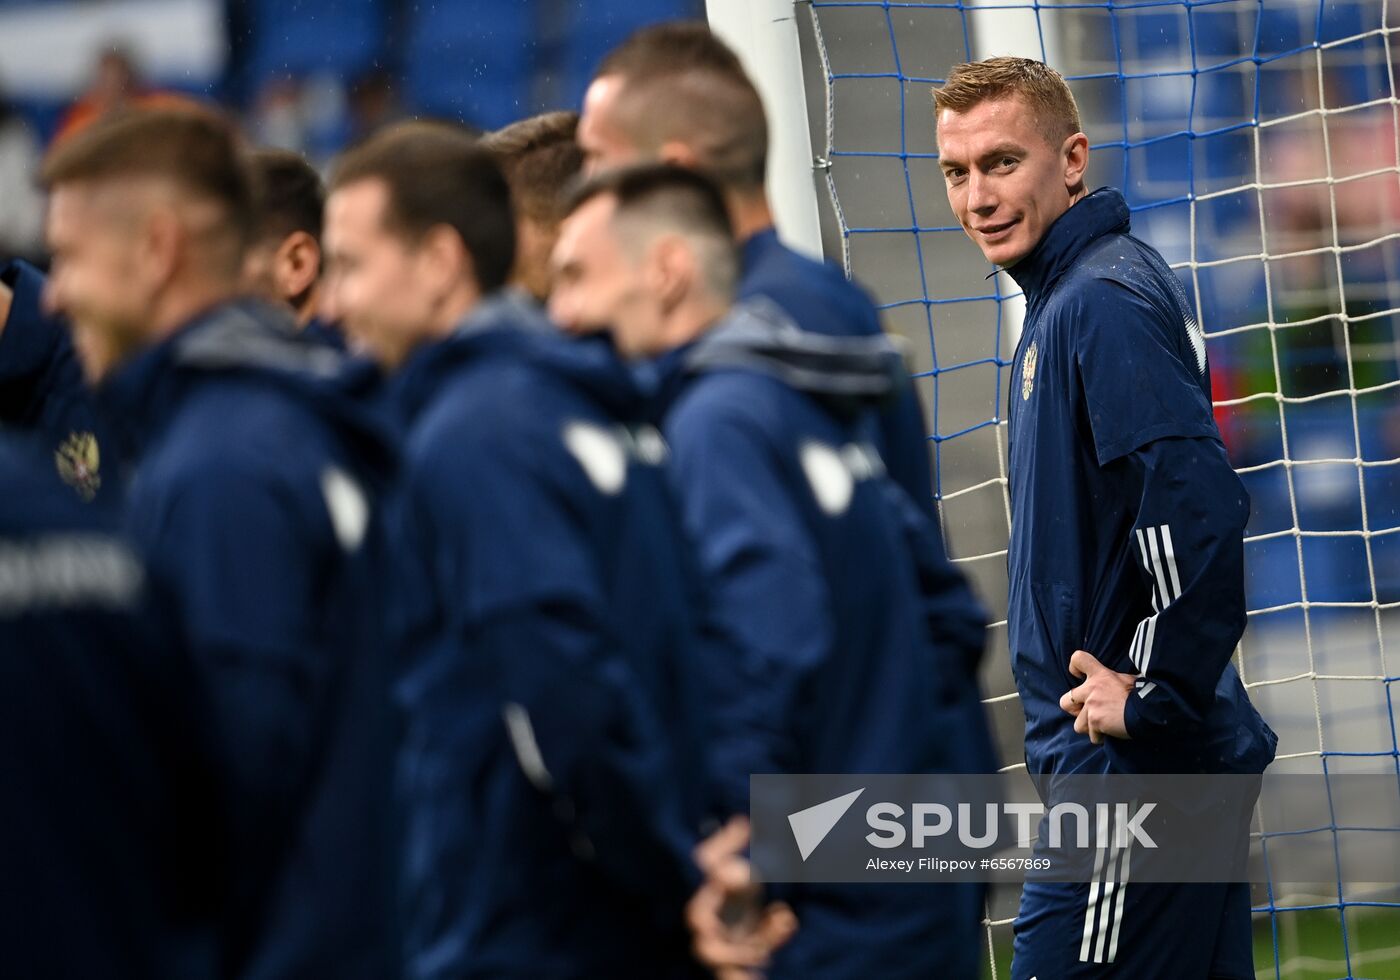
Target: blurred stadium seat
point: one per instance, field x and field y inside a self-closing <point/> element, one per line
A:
<point x="471" y="61"/>
<point x="310" y="36"/>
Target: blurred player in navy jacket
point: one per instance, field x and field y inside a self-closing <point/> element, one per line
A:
<point x="839" y="653"/>
<point x="1126" y="556"/>
<point x="254" y="474"/>
<point x="112" y="823"/>
<point x="540" y="156"/>
<point x="283" y="263"/>
<point x="549" y="776"/>
<point x="675" y="93"/>
<point x="41" y="385"/>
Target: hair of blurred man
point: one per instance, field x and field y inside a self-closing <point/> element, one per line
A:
<point x="150" y="213"/>
<point x="283" y="263"/>
<point x="675" y="93"/>
<point x="195" y="150"/>
<point x="647" y="252"/>
<point x="540" y="157"/>
<point x="656" y="199"/>
<point x="670" y="46"/>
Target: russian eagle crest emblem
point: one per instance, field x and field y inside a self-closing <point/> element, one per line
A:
<point x="79" y="463"/>
<point x="1028" y="371"/>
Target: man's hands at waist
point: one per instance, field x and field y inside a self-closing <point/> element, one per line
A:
<point x="1097" y="704"/>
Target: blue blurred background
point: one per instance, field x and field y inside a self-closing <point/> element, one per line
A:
<point x="308" y="75"/>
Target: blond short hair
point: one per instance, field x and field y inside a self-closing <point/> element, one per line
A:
<point x="1042" y="87"/>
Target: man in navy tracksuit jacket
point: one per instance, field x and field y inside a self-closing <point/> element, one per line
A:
<point x="40" y="380"/>
<point x="561" y="612"/>
<point x="817" y="297"/>
<point x="284" y="262"/>
<point x="550" y="784"/>
<point x="818" y="568"/>
<point x="113" y="821"/>
<point x="256" y="465"/>
<point x="254" y="477"/>
<point x="674" y="92"/>
<point x="1126" y="554"/>
<point x="41" y="385"/>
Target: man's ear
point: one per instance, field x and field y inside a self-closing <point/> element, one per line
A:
<point x="445" y="260"/>
<point x="673" y="270"/>
<point x="7" y="296"/>
<point x="297" y="265"/>
<point x="159" y="245"/>
<point x="679" y="154"/>
<point x="1075" y="152"/>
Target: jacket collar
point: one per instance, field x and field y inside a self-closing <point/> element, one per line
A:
<point x="141" y="394"/>
<point x="498" y="322"/>
<point x="756" y="335"/>
<point x="513" y="325"/>
<point x="1101" y="213"/>
<point x="757" y="245"/>
<point x="244" y="336"/>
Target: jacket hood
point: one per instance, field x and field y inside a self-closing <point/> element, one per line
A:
<point x="251" y="338"/>
<point x="509" y="325"/>
<point x="847" y="373"/>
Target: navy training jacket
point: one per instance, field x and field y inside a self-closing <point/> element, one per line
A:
<point x="818" y="298"/>
<point x="257" y="469"/>
<point x="550" y="780"/>
<point x="1127" y="522"/>
<point x="42" y="389"/>
<point x="842" y="650"/>
<point x="113" y="823"/>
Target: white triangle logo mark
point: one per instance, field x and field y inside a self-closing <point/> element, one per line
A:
<point x="810" y="826"/>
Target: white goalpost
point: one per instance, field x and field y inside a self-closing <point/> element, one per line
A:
<point x="764" y="35"/>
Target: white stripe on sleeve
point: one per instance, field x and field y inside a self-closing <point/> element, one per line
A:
<point x="1169" y="554"/>
<point x="1147" y="564"/>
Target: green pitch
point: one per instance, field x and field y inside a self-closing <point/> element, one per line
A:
<point x="1310" y="946"/>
